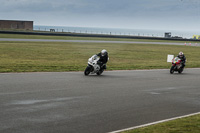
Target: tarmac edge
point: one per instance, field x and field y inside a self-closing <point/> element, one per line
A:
<point x="153" y="123"/>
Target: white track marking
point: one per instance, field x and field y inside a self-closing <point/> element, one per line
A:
<point x="153" y="123"/>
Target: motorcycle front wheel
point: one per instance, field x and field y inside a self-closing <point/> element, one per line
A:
<point x="172" y="70"/>
<point x="87" y="70"/>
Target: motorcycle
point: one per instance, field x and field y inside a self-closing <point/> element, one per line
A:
<point x="176" y="65"/>
<point x="93" y="67"/>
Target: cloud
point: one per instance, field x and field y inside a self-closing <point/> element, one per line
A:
<point x="97" y="7"/>
<point x="104" y="13"/>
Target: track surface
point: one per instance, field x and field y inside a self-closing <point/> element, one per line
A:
<point x="91" y="41"/>
<point x="69" y="102"/>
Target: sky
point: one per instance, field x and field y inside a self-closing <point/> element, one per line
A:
<point x="128" y="14"/>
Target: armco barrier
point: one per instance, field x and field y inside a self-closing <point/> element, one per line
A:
<point x="94" y="35"/>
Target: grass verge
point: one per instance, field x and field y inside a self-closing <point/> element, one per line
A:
<point x="62" y="56"/>
<point x="184" y="125"/>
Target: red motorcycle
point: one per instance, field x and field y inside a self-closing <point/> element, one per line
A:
<point x="176" y="65"/>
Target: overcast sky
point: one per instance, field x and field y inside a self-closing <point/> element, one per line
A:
<point x="131" y="14"/>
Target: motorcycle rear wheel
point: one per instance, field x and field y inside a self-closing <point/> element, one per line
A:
<point x="180" y="70"/>
<point x="100" y="72"/>
<point x="172" y="70"/>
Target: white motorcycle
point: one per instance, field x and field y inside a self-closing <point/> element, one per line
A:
<point x="93" y="67"/>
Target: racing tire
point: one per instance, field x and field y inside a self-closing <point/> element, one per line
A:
<point x="100" y="72"/>
<point x="87" y="71"/>
<point x="180" y="70"/>
<point x="172" y="70"/>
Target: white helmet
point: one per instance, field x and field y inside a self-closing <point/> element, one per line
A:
<point x="180" y="54"/>
<point x="103" y="52"/>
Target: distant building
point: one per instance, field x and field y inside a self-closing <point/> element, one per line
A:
<point x="168" y="34"/>
<point x="196" y="37"/>
<point x="16" y="24"/>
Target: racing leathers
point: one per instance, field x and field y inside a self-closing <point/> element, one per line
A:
<point x="103" y="59"/>
<point x="183" y="60"/>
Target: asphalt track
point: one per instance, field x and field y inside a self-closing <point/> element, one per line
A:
<point x="69" y="102"/>
<point x="95" y="41"/>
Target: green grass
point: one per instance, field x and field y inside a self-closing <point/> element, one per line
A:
<point x="62" y="56"/>
<point x="184" y="125"/>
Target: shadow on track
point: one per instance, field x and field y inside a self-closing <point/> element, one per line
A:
<point x="104" y="76"/>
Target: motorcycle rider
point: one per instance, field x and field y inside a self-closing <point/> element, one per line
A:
<point x="183" y="59"/>
<point x="103" y="58"/>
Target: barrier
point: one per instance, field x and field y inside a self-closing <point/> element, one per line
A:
<point x="94" y="35"/>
